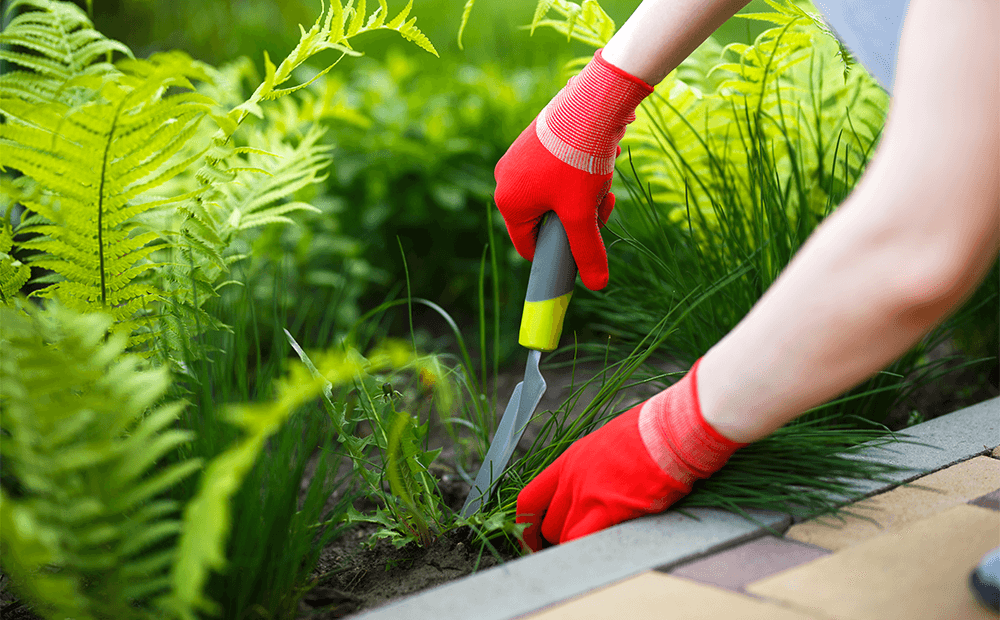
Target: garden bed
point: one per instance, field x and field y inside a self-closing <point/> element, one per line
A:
<point x="353" y="576"/>
<point x="369" y="578"/>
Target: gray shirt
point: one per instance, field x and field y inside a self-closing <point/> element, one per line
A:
<point x="871" y="30"/>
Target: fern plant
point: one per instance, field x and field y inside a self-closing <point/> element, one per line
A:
<point x="97" y="142"/>
<point x="85" y="527"/>
<point x="85" y="532"/>
<point x="92" y="139"/>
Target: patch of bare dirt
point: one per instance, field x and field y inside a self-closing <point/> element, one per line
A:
<point x="359" y="578"/>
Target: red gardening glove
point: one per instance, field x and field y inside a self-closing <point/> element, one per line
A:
<point x="564" y="162"/>
<point x="637" y="464"/>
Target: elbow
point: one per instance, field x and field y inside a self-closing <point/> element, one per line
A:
<point x="946" y="276"/>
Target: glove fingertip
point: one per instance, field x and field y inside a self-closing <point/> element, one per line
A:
<point x="595" y="279"/>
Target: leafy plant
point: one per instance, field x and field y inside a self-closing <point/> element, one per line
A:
<point x="98" y="226"/>
<point x="90" y="139"/>
<point x="391" y="454"/>
<point x="86" y="530"/>
<point x="90" y="528"/>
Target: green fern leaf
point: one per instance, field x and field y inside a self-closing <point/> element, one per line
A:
<point x="94" y="146"/>
<point x="79" y="442"/>
<point x="541" y="10"/>
<point x="401" y="17"/>
<point x="13" y="273"/>
<point x="62" y="37"/>
<point x="586" y="22"/>
<point x="358" y="20"/>
<point x="411" y="33"/>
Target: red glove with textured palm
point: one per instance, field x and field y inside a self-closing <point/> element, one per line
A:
<point x="564" y="162"/>
<point x="638" y="463"/>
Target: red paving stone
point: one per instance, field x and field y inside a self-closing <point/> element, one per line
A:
<point x="990" y="500"/>
<point x="734" y="568"/>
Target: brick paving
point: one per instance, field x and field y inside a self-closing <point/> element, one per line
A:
<point x="907" y="555"/>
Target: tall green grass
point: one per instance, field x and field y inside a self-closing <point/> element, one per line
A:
<point x="293" y="502"/>
<point x="732" y="165"/>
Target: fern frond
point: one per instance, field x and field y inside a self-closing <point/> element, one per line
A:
<point x="586" y="22"/>
<point x="466" y="12"/>
<point x="253" y="202"/>
<point x="87" y="460"/>
<point x="98" y="143"/>
<point x="333" y="29"/>
<point x="62" y="37"/>
<point x="13" y="273"/>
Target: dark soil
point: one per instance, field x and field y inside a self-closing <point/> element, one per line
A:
<point x="355" y="576"/>
<point x="360" y="578"/>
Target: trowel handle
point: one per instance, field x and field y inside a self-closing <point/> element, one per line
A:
<point x="550" y="286"/>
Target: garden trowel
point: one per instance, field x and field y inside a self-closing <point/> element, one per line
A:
<point x="550" y="287"/>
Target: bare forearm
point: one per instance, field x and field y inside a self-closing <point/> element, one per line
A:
<point x="847" y="306"/>
<point x="662" y="33"/>
<point x="907" y="247"/>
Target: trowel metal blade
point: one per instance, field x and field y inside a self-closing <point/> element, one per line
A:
<point x="527" y="394"/>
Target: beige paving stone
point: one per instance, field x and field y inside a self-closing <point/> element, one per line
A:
<point x="894" y="509"/>
<point x="653" y="595"/>
<point x="920" y="571"/>
<point x="996" y="452"/>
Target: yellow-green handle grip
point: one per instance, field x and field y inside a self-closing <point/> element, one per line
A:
<point x="550" y="287"/>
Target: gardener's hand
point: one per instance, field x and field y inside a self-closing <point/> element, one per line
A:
<point x="639" y="463"/>
<point x="564" y="162"/>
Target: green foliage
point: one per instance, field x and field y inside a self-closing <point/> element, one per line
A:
<point x="695" y="140"/>
<point x="280" y="531"/>
<point x="86" y="532"/>
<point x="586" y="22"/>
<point x="281" y="516"/>
<point x="392" y="452"/>
<point x="421" y="168"/>
<point x="13" y="273"/>
<point x="207" y="517"/>
<point x="90" y="528"/>
<point x="93" y="139"/>
<point x="416" y="145"/>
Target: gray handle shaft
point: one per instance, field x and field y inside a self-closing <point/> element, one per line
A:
<point x="553" y="270"/>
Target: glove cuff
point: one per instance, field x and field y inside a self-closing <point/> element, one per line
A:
<point x="678" y="438"/>
<point x="584" y="122"/>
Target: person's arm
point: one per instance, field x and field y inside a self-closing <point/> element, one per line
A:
<point x="662" y="33"/>
<point x="907" y="247"/>
<point x="902" y="252"/>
